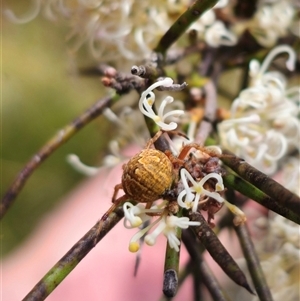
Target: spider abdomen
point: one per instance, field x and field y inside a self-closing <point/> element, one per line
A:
<point x="147" y="176"/>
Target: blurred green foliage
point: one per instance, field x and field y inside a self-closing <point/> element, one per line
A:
<point x="41" y="93"/>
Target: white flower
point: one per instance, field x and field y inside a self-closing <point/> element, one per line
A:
<point x="277" y="145"/>
<point x="217" y="34"/>
<point x="236" y="133"/>
<point x="187" y="198"/>
<point x="191" y="200"/>
<point x="165" y="224"/>
<point x="82" y="168"/>
<point x="214" y="32"/>
<point x="147" y="100"/>
<point x="208" y="18"/>
<point x="280" y="250"/>
<point x="137" y="214"/>
<point x="108" y="161"/>
<point x="258" y="72"/>
<point x="264" y="121"/>
<point x="26" y="18"/>
<point x="271" y="21"/>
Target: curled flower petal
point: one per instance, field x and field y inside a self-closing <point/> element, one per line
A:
<point x="257" y="71"/>
<point x="76" y="163"/>
<point x="193" y="193"/>
<point x="26" y="18"/>
<point x="130" y="213"/>
<point x="217" y="34"/>
<point x="137" y="214"/>
<point x="147" y="101"/>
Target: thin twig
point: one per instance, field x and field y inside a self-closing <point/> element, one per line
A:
<point x="253" y="263"/>
<point x="70" y="260"/>
<point x="212" y="283"/>
<point x="171" y="268"/>
<point x="200" y="265"/>
<point x="195" y="253"/>
<point x="217" y="251"/>
<point x="260" y="197"/>
<point x="170" y="283"/>
<point x="183" y="23"/>
<point x="122" y="82"/>
<point x="210" y="109"/>
<point x="285" y="199"/>
<point x="173" y="87"/>
<point x="147" y="71"/>
<point x="54" y="143"/>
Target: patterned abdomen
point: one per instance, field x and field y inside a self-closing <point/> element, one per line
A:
<point x="147" y="176"/>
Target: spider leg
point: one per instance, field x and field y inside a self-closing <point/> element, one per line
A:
<point x="161" y="132"/>
<point x="116" y="190"/>
<point x="148" y="206"/>
<point x="185" y="150"/>
<point x="154" y="139"/>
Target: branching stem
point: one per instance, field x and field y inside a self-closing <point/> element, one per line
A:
<point x="70" y="260"/>
<point x="52" y="145"/>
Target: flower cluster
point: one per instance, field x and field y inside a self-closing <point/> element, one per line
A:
<point x="264" y="118"/>
<point x="118" y="30"/>
<point x="166" y="223"/>
<point x="281" y="252"/>
<point x="280" y="257"/>
<point x="110" y="29"/>
<point x="280" y="247"/>
<point x="271" y="21"/>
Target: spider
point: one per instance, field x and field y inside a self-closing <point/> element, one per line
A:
<point x="152" y="174"/>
